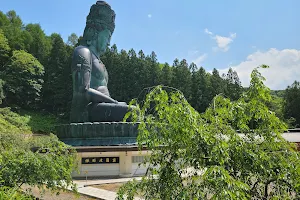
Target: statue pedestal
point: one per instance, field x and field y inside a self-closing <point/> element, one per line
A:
<point x="104" y="149"/>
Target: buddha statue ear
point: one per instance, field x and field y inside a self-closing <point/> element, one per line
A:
<point x="89" y="42"/>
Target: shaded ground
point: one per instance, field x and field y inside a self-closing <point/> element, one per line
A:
<point x="62" y="196"/>
<point x="110" y="186"/>
<point x="114" y="187"/>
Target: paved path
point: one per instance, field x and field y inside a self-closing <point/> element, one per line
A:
<point x="98" y="193"/>
<point x="84" y="187"/>
<point x="84" y="183"/>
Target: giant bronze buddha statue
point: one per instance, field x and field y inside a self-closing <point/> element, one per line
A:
<point x="91" y="99"/>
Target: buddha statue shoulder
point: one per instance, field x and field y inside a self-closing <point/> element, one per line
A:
<point x="91" y="99"/>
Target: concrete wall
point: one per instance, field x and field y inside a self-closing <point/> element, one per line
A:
<point x="127" y="166"/>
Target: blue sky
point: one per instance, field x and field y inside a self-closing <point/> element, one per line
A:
<point x="213" y="34"/>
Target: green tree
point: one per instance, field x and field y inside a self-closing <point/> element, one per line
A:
<point x="201" y="97"/>
<point x="166" y="75"/>
<point x="194" y="86"/>
<point x="202" y="156"/>
<point x="278" y="93"/>
<point x="23" y="79"/>
<point x="233" y="85"/>
<point x="291" y="103"/>
<point x="72" y="40"/>
<point x="22" y="161"/>
<point x="4" y="22"/>
<point x="57" y="74"/>
<point x="2" y="93"/>
<point x="121" y="84"/>
<point x="39" y="46"/>
<point x="110" y="58"/>
<point x="153" y="70"/>
<point x="217" y="84"/>
<point x="17" y="38"/>
<point x="142" y="67"/>
<point x="4" y="59"/>
<point x="276" y="105"/>
<point x="131" y="78"/>
<point x="182" y="78"/>
<point x="68" y="86"/>
<point x="4" y="50"/>
<point x="12" y="194"/>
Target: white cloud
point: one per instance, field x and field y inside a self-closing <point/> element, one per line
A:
<point x="198" y="61"/>
<point x="222" y="41"/>
<point x="208" y="32"/>
<point x="233" y="35"/>
<point x="284" y="67"/>
<point x="149" y="15"/>
<point x="192" y="53"/>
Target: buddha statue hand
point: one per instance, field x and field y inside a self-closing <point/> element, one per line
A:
<point x="98" y="97"/>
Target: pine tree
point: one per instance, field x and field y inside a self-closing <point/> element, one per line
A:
<point x="203" y="95"/>
<point x="194" y="85"/>
<point x="54" y="91"/>
<point x="233" y="85"/>
<point x="217" y="84"/>
<point x="153" y="70"/>
<point x="166" y="75"/>
<point x="4" y="22"/>
<point x="182" y="79"/>
<point x="4" y="50"/>
<point x="141" y="55"/>
<point x="111" y="59"/>
<point x="39" y="46"/>
<point x="133" y="75"/>
<point x="291" y="103"/>
<point x="72" y="40"/>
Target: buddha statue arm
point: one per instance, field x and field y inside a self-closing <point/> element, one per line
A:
<point x="82" y="76"/>
<point x="97" y="97"/>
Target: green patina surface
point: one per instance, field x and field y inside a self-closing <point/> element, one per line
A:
<point x="98" y="133"/>
<point x="91" y="100"/>
<point x="96" y="118"/>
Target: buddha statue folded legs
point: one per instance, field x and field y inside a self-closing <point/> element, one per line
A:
<point x="107" y="112"/>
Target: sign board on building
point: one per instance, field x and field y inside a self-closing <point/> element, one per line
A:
<point x="99" y="160"/>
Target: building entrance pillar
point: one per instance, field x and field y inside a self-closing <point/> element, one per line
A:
<point x="126" y="164"/>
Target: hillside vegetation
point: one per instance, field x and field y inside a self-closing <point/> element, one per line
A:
<point x="27" y="122"/>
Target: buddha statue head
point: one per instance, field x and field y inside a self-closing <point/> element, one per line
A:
<point x="100" y="25"/>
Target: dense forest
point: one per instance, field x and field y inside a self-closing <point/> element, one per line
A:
<point x="35" y="74"/>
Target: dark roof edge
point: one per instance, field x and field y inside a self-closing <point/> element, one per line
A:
<point x="81" y="149"/>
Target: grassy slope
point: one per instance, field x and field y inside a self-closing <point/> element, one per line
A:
<point x="27" y="122"/>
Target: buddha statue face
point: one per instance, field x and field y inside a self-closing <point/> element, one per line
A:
<point x="103" y="41"/>
<point x="97" y="40"/>
<point x="100" y="25"/>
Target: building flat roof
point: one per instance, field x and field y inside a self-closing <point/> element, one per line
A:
<point x="108" y="148"/>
